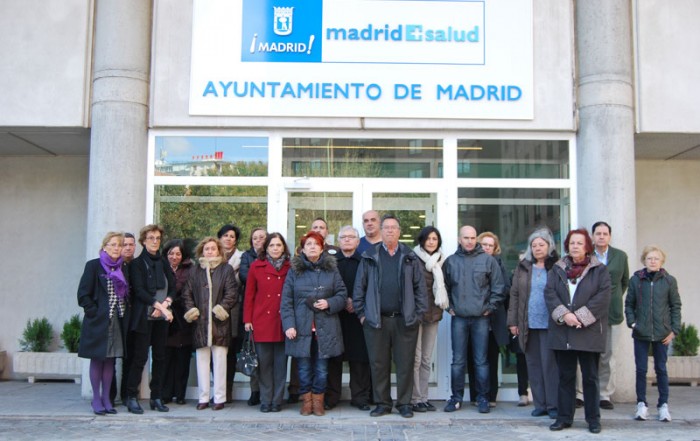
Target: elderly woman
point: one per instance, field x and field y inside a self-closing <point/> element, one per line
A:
<point x="257" y="244"/>
<point x="153" y="290"/>
<point x="103" y="294"/>
<point x="178" y="350"/>
<point x="429" y="251"/>
<point x="578" y="296"/>
<point x="313" y="295"/>
<point x="261" y="314"/>
<point x="653" y="311"/>
<point x="498" y="332"/>
<point x="208" y="296"/>
<point x="528" y="319"/>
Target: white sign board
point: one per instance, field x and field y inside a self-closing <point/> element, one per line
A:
<point x="363" y="58"/>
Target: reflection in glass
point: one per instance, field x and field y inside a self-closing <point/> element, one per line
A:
<point x="305" y="207"/>
<point x="196" y="211"/>
<point x="514" y="213"/>
<point x="512" y="158"/>
<point x="387" y="158"/>
<point x="414" y="211"/>
<point x="210" y="156"/>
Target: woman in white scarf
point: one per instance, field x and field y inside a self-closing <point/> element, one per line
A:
<point x="430" y="253"/>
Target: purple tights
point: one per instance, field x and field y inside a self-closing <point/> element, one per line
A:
<point x="101" y="373"/>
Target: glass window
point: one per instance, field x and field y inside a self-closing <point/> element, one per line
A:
<point x="196" y="211"/>
<point x="512" y="158"/>
<point x="513" y="213"/>
<point x="210" y="156"/>
<point x="386" y="158"/>
<point x="414" y="211"/>
<point x="305" y="207"/>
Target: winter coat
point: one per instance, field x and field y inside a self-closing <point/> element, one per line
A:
<point x="653" y="305"/>
<point x="247" y="259"/>
<point x="413" y="293"/>
<point x="619" y="279"/>
<point x="434" y="312"/>
<point x="236" y="326"/>
<point x="590" y="305"/>
<point x="520" y="298"/>
<point x="474" y="282"/>
<point x="307" y="282"/>
<point x="353" y="335"/>
<point x="224" y="292"/>
<point x="143" y="289"/>
<point x="499" y="317"/>
<point x="263" y="299"/>
<point x="93" y="297"/>
<point x="180" y="332"/>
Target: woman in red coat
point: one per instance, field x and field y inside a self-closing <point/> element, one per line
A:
<point x="261" y="314"/>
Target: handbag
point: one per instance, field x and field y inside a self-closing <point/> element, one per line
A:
<point x="247" y="358"/>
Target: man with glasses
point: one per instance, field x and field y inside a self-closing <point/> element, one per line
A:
<point x="389" y="299"/>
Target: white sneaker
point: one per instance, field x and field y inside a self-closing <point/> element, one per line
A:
<point x="642" y="412"/>
<point x="664" y="414"/>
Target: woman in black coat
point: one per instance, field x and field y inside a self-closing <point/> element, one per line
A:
<point x="312" y="296"/>
<point x="103" y="294"/>
<point x="153" y="290"/>
<point x="578" y="296"/>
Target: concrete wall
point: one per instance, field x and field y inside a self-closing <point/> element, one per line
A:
<point x="668" y="215"/>
<point x="667" y="66"/>
<point x="42" y="230"/>
<point x="553" y="74"/>
<point x="46" y="49"/>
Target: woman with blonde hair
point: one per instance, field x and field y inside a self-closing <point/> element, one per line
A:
<point x="653" y="311"/>
<point x="103" y="293"/>
<point x="208" y="296"/>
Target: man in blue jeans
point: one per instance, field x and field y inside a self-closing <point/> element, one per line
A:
<point x="475" y="288"/>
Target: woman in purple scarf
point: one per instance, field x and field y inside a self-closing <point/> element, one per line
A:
<point x="103" y="295"/>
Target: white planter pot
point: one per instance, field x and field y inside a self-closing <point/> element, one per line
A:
<point x="47" y="365"/>
<point x="680" y="370"/>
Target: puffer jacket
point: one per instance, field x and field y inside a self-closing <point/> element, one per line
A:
<point x="474" y="282"/>
<point x="414" y="295"/>
<point x="305" y="283"/>
<point x="195" y="294"/>
<point x="590" y="305"/>
<point x="653" y="305"/>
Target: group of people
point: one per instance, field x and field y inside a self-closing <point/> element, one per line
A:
<point x="371" y="301"/>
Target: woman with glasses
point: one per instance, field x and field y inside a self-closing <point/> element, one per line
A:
<point x="154" y="291"/>
<point x="653" y="311"/>
<point x="103" y="294"/>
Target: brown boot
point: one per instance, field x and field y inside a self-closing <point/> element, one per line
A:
<point x="318" y="404"/>
<point x="306" y="404"/>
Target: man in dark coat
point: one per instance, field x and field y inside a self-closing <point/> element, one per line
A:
<point x="389" y="298"/>
<point x="353" y="337"/>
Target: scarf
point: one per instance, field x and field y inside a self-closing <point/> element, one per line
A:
<point x="433" y="263"/>
<point x="574" y="270"/>
<point x="276" y="263"/>
<point x="208" y="264"/>
<point x="158" y="267"/>
<point x="114" y="273"/>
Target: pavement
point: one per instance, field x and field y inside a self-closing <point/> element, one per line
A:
<point x="56" y="411"/>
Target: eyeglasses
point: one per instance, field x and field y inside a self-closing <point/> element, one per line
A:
<point x="390" y="227"/>
<point x="347" y="237"/>
<point x="153" y="238"/>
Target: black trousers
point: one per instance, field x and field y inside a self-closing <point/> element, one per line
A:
<point x="566" y="361"/>
<point x="155" y="338"/>
<point x="177" y="372"/>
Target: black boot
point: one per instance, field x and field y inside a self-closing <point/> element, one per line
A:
<point x="132" y="404"/>
<point x="254" y="399"/>
<point x="156" y="403"/>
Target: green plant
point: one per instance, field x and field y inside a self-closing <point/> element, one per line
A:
<point x="686" y="342"/>
<point x="71" y="333"/>
<point x="37" y="335"/>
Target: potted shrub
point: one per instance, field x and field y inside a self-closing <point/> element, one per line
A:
<point x="34" y="362"/>
<point x="683" y="362"/>
<point x="71" y="333"/>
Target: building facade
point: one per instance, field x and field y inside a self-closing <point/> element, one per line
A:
<point x="195" y="113"/>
